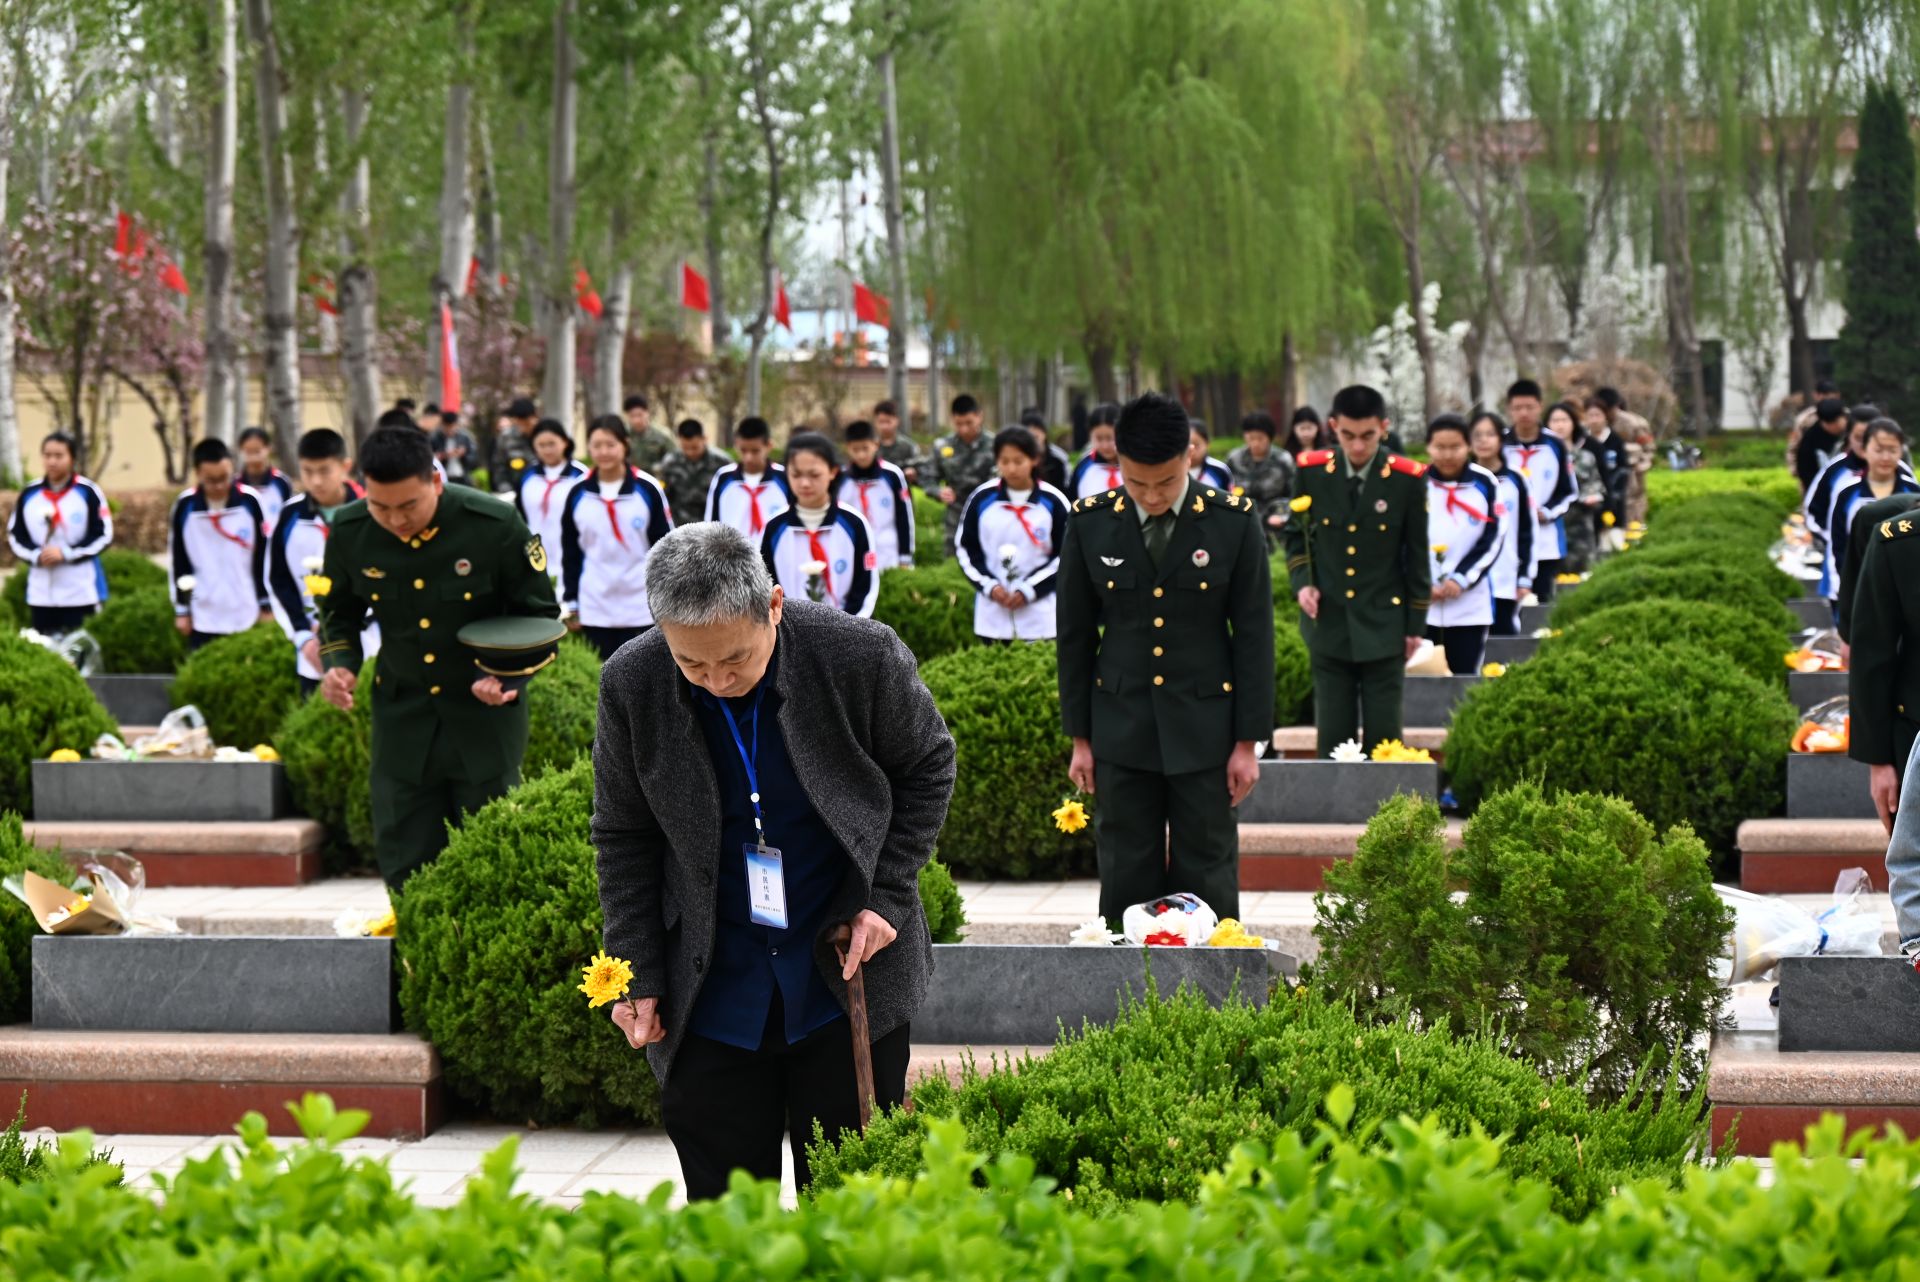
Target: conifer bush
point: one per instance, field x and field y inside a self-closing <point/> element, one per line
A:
<point x="44" y="705"/>
<point x="243" y="684"/>
<point x="1625" y="631"/>
<point x="137" y="634"/>
<point x="929" y="607"/>
<point x="1621" y="582"/>
<point x="17" y="926"/>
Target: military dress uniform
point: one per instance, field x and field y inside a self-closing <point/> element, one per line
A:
<point x="1362" y="540"/>
<point x="1164" y="667"/>
<point x="1267" y="481"/>
<point x="438" y="752"/>
<point x="1883" y="676"/>
<point x="648" y="449"/>
<point x="964" y="466"/>
<point x="687" y="480"/>
<point x="513" y="458"/>
<point x="1862" y="533"/>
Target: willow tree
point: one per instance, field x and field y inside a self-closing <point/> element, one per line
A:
<point x="1150" y="178"/>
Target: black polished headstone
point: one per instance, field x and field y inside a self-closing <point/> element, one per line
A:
<point x="1333" y="792"/>
<point x="1849" y="1004"/>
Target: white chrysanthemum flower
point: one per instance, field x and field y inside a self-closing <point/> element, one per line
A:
<point x="187" y="582"/>
<point x="1092" y="933"/>
<point x="1349" y="751"/>
<point x="814" y="569"/>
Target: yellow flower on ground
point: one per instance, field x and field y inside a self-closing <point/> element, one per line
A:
<point x="1494" y="670"/>
<point x="63" y="754"/>
<point x="265" y="752"/>
<point x="1070" y="817"/>
<point x="318" y="585"/>
<point x="605" y="979"/>
<point x="1302" y="503"/>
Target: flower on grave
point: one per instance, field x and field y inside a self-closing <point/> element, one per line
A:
<point x="605" y="979"/>
<point x="1231" y="934"/>
<point x="63" y="754"/>
<point x="1349" y="752"/>
<point x="1302" y="503"/>
<point x="1395" y="750"/>
<point x="1091" y="933"/>
<point x="1071" y="816"/>
<point x="265" y="752"/>
<point x="1493" y="670"/>
<point x="353" y="923"/>
<point x="318" y="585"/>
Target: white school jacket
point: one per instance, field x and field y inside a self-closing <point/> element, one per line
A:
<point x="748" y="505"/>
<point x="541" y="499"/>
<point x="1544" y="465"/>
<point x="1014" y="543"/>
<point x="1463" y="539"/>
<point x="842" y="543"/>
<point x="604" y="544"/>
<point x="1091" y="477"/>
<point x="74" y="518"/>
<point x="224" y="555"/>
<point x="274" y="491"/>
<point x="296" y="549"/>
<point x="1513" y="567"/>
<point x="882" y="500"/>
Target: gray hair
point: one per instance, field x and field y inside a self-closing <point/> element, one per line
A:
<point x="707" y="573"/>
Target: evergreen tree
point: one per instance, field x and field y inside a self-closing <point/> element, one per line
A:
<point x="1877" y="357"/>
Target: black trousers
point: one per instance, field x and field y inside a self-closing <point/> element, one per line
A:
<point x="307" y="686"/>
<point x="727" y="1108"/>
<point x="1465" y="647"/>
<point x="58" y="620"/>
<point x="1343" y="690"/>
<point x="1543" y="576"/>
<point x="607" y="640"/>
<point x="1159" y="834"/>
<point x="1506" y="617"/>
<point x="197" y="639"/>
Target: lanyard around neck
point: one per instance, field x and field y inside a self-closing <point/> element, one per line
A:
<point x="749" y="756"/>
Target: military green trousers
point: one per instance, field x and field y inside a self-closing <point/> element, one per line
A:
<point x="1161" y="834"/>
<point x="410" y="820"/>
<point x="1344" y="691"/>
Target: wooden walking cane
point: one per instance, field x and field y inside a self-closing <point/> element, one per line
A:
<point x="862" y="1043"/>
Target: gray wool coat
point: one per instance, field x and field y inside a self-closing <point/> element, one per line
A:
<point x="868" y="747"/>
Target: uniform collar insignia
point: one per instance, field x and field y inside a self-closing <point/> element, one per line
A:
<point x="1199" y="505"/>
<point x="426" y="536"/>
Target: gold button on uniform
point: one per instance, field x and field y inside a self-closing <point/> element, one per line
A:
<point x="466" y="596"/>
<point x="1159" y="623"/>
<point x="1351" y="571"/>
<point x="418" y="584"/>
<point x="416" y="543"/>
<point x="1109" y="585"/>
<point x="1227" y="686"/>
<point x="1396" y="600"/>
<point x="1159" y="680"/>
<point x="426" y="623"/>
<point x="1159" y="592"/>
<point x="1349" y="594"/>
<point x="1353" y="529"/>
<point x="1203" y="585"/>
<point x="426" y="658"/>
<point x="376" y="596"/>
<point x="433" y="690"/>
<point x="1353" y="551"/>
<point x="1158" y="651"/>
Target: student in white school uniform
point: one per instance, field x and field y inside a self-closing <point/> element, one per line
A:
<point x="543" y="491"/>
<point x="1098" y="470"/>
<point x="877" y="489"/>
<point x="60" y="526"/>
<point x="217" y="546"/>
<point x="1542" y="462"/>
<point x="1009" y="544"/>
<point x="1202" y="467"/>
<point x="272" y="487"/>
<point x="1513" y="567"/>
<point x="1464" y="537"/>
<point x="816" y="549"/>
<point x="608" y="528"/>
<point x="750" y="493"/>
<point x="298" y="546"/>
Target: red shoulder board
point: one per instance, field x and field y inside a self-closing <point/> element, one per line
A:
<point x="1314" y="458"/>
<point x="1406" y="465"/>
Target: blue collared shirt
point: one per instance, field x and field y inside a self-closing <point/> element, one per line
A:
<point x="749" y="959"/>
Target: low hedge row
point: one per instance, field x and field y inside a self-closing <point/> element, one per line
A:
<point x="44" y="705"/>
<point x="17" y="927"/>
<point x="1747" y="642"/>
<point x="126" y="572"/>
<point x="1754" y="591"/>
<point x="244" y="685"/>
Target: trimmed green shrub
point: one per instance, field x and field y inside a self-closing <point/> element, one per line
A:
<point x="1002" y="706"/>
<point x="244" y="685"/>
<point x="1292" y="672"/>
<point x="1678" y="732"/>
<point x="1727" y="555"/>
<point x="21" y="1163"/>
<point x="127" y="572"/>
<point x="1749" y="644"/>
<point x="492" y="938"/>
<point x="44" y="705"/>
<point x="929" y="530"/>
<point x="328" y="753"/>
<point x="13" y="599"/>
<point x="1665" y="489"/>
<point x="137" y="634"/>
<point x="17" y="927"/>
<point x="1585" y="942"/>
<point x="929" y="607"/>
<point x="1148" y="1106"/>
<point x="1755" y="593"/>
<point x="946" y="914"/>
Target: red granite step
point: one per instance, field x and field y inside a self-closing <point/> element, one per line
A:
<point x="1773" y="1096"/>
<point x="1294" y="856"/>
<point x="190" y="1083"/>
<point x="1803" y="856"/>
<point x="274" y="852"/>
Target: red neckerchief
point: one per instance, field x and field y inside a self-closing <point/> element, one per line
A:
<point x="1526" y="456"/>
<point x="865" y="510"/>
<point x="1019" y="511"/>
<point x="1113" y="476"/>
<point x="547" y="498"/>
<point x="55" y="520"/>
<point x="613" y="518"/>
<point x="818" y="552"/>
<point x="753" y="501"/>
<point x="225" y="533"/>
<point x="1454" y="504"/>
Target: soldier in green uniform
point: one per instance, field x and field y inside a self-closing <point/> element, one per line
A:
<point x="1883" y="679"/>
<point x="1166" y="666"/>
<point x="961" y="463"/>
<point x="687" y="473"/>
<point x="1357" y="561"/>
<point x="513" y="448"/>
<point x="1263" y="473"/>
<point x="1863" y="531"/>
<point x="650" y="445"/>
<point x="894" y="448"/>
<point x="426" y="559"/>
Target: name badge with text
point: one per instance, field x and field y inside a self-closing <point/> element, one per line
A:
<point x="766" y="887"/>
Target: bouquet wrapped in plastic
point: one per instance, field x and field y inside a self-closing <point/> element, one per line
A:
<point x="1824" y="728"/>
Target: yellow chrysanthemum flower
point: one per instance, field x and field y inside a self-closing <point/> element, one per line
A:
<point x="1494" y="670"/>
<point x="1070" y="817"/>
<point x="1395" y="750"/>
<point x="605" y="979"/>
<point x="318" y="585"/>
<point x="1302" y="503"/>
<point x="265" y="752"/>
<point x="63" y="754"/>
<point x="1607" y="519"/>
<point x="383" y="926"/>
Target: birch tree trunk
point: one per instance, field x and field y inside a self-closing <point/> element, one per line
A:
<point x="283" y="234"/>
<point x="10" y="460"/>
<point x="896" y="234"/>
<point x="557" y="394"/>
<point x="769" y="140"/>
<point x="934" y="407"/>
<point x="456" y="200"/>
<point x="490" y="246"/>
<point x="716" y="266"/>
<point x="326" y="326"/>
<point x="358" y="321"/>
<point x="217" y="234"/>
<point x="610" y="341"/>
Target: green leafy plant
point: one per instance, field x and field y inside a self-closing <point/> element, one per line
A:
<point x="1292" y="671"/>
<point x="17" y="927"/>
<point x="929" y="607"/>
<point x="126" y="572"/>
<point x="946" y="914"/>
<point x="1667" y="490"/>
<point x="1677" y="731"/>
<point x="243" y="684"/>
<point x="1002" y="706"/>
<point x="1754" y="592"/>
<point x="929" y="530"/>
<point x="1625" y="631"/>
<point x="44" y="705"/>
<point x="136" y="633"/>
<point x="23" y="1163"/>
<point x="1148" y="1106"/>
<point x="1584" y="942"/>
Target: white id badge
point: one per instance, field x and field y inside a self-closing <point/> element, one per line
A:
<point x="766" y="887"/>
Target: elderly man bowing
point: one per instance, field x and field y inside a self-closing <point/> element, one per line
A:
<point x="769" y="778"/>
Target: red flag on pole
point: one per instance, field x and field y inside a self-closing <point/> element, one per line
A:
<point x="172" y="278"/>
<point x="782" y="313"/>
<point x="586" y="295"/>
<point x="693" y="289"/>
<point x="870" y="308"/>
<point x="322" y="290"/>
<point x="449" y="362"/>
<point x="473" y="275"/>
<point x="123" y="235"/>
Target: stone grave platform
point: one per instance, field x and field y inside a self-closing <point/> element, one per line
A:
<point x="1317" y="792"/>
<point x="191" y="1083"/>
<point x="1430" y="700"/>
<point x="1774" y="1095"/>
<point x="1301" y="743"/>
<point x="259" y="852"/>
<point x="1512" y="650"/>
<point x="160" y="791"/>
<point x="1812" y="611"/>
<point x="133" y="699"/>
<point x="1827" y="785"/>
<point x="1809" y="688"/>
<point x="1803" y="856"/>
